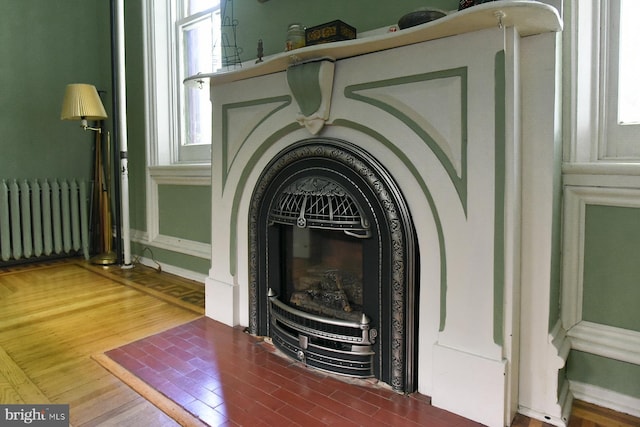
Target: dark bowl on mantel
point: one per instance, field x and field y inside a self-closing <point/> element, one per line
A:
<point x="418" y="17"/>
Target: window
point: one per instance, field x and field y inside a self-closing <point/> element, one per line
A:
<point x="182" y="39"/>
<point x="629" y="61"/>
<point x="602" y="71"/>
<point x="620" y="86"/>
<point x="199" y="51"/>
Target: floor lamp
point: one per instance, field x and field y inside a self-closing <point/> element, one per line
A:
<point x="82" y="102"/>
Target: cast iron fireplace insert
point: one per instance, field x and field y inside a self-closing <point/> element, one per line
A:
<point x="333" y="263"/>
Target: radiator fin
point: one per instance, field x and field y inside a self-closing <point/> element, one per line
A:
<point x="43" y="219"/>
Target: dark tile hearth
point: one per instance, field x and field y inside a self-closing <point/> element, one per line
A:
<point x="226" y="377"/>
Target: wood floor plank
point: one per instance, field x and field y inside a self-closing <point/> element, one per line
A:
<point x="54" y="318"/>
<point x="19" y="381"/>
<point x="138" y="412"/>
<point x="5" y="291"/>
<point x="109" y="402"/>
<point x="167" y="406"/>
<point x="7" y="392"/>
<point x="62" y="383"/>
<point x="591" y="414"/>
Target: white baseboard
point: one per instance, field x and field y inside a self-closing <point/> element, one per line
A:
<point x="469" y="385"/>
<point x="565" y="400"/>
<point x="175" y="245"/>
<point x="222" y="301"/>
<point x="178" y="271"/>
<point x="183" y="246"/>
<point x="606" y="398"/>
<point x="536" y="415"/>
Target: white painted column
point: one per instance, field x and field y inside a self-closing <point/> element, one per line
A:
<point x="544" y="347"/>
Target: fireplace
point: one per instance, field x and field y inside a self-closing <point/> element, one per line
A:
<point x="384" y="208"/>
<point x="333" y="263"/>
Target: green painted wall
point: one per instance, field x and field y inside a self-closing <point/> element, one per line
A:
<point x="607" y="373"/>
<point x="180" y="216"/>
<point x="610" y="288"/>
<point x="45" y="45"/>
<point x="269" y="21"/>
<point x="610" y="293"/>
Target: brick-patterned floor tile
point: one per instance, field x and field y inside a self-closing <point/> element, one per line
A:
<point x="226" y="377"/>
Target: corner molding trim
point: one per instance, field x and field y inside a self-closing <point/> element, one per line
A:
<point x="576" y="200"/>
<point x="607" y="341"/>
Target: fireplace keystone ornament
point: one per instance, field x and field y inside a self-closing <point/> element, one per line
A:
<point x="311" y="84"/>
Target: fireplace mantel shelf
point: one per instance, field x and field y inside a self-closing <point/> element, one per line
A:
<point x="528" y="17"/>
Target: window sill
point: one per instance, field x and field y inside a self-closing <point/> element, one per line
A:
<point x="195" y="170"/>
<point x="602" y="174"/>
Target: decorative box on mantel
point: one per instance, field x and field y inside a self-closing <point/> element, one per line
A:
<point x="333" y="31"/>
<point x="440" y="142"/>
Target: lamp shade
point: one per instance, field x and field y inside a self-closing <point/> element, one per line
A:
<point x="81" y="101"/>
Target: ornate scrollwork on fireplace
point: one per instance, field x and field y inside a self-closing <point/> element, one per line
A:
<point x="321" y="203"/>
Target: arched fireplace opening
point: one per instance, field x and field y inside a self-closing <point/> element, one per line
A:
<point x="334" y="263"/>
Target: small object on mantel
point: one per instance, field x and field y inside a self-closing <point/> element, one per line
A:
<point x="463" y="4"/>
<point x="333" y="31"/>
<point x="295" y="37"/>
<point x="419" y="16"/>
<point x="260" y="51"/>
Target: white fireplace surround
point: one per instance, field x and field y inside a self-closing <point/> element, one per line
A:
<point x="465" y="120"/>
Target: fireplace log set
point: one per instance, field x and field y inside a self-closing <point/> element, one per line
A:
<point x="330" y="292"/>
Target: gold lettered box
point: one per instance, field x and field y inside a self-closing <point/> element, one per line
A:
<point x="333" y="31"/>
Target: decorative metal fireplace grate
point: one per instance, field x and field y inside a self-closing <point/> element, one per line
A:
<point x="317" y="202"/>
<point x="324" y="343"/>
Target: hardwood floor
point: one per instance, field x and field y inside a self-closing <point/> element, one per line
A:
<point x="54" y="318"/>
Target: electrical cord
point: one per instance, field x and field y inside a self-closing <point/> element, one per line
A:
<point x="136" y="259"/>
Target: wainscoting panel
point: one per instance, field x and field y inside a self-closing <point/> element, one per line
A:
<point x="601" y="292"/>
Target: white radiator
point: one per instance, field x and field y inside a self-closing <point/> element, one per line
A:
<point x="43" y="219"/>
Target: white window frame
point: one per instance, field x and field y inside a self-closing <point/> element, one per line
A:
<point x="163" y="88"/>
<point x="202" y="151"/>
<point x="593" y="133"/>
<point x="617" y="141"/>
